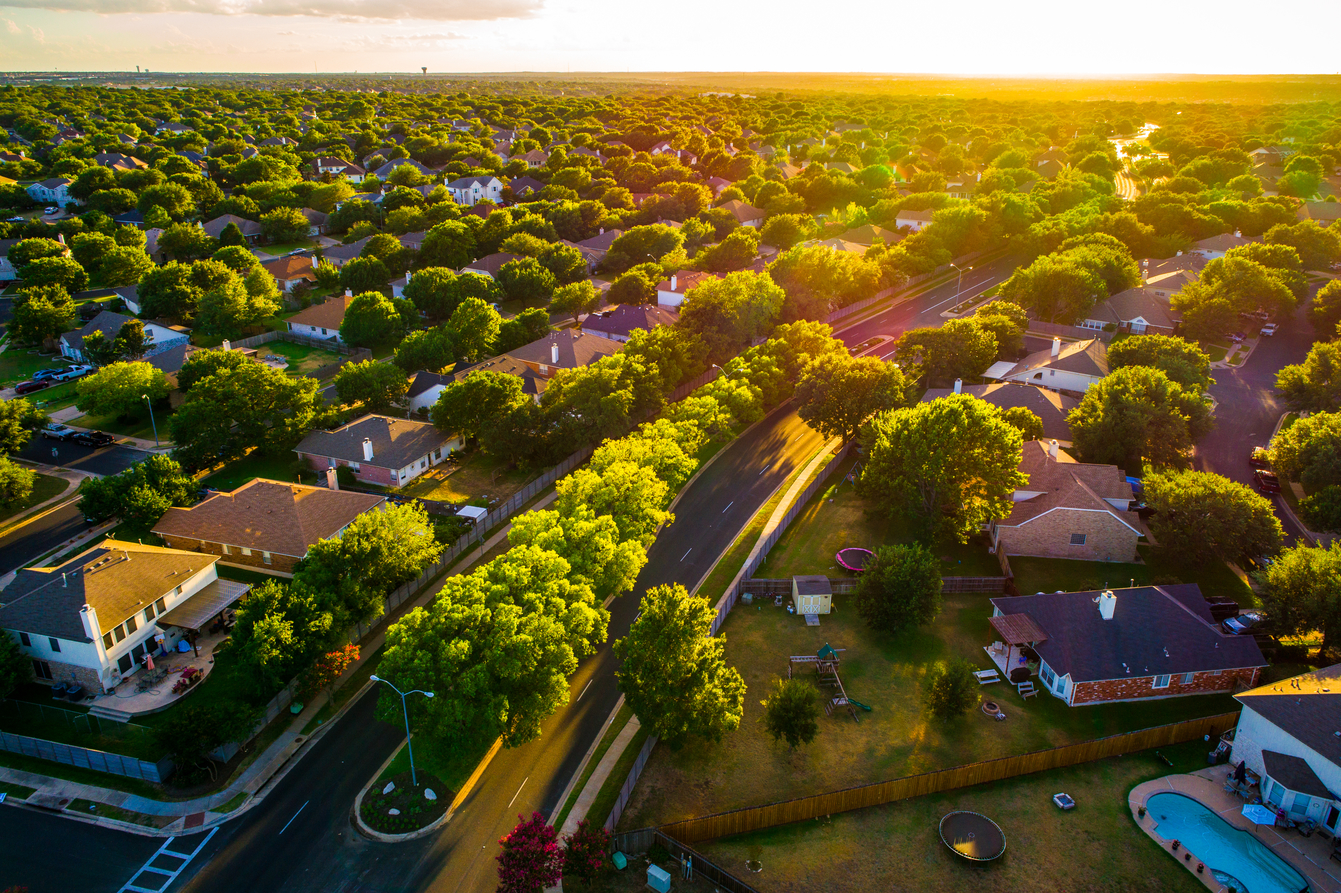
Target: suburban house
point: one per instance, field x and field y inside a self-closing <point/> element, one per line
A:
<point x="534" y="159"/>
<point x="1134" y="644"/>
<point x="745" y="214"/>
<point x="1068" y="509"/>
<point x="338" y="167"/>
<point x="52" y="191"/>
<point x="1287" y="734"/>
<point x="379" y="449"/>
<point x="339" y="255"/>
<point x="671" y="292"/>
<point x="868" y="233"/>
<point x="1071" y="367"/>
<point x="156" y="338"/>
<point x="1052" y="407"/>
<point x="385" y="171"/>
<point x="622" y="320"/>
<point x="538" y="362"/>
<point x="251" y="230"/>
<point x="1217" y="246"/>
<point x="291" y="270"/>
<point x="913" y="220"/>
<point x="268" y="525"/>
<point x="92" y="619"/>
<point x="525" y="186"/>
<point x="490" y="264"/>
<point x="316" y="221"/>
<point x="321" y="320"/>
<point x="1325" y="213"/>
<point x="1140" y="311"/>
<point x="118" y="162"/>
<point x="1167" y="283"/>
<point x="425" y="388"/>
<point x="472" y="190"/>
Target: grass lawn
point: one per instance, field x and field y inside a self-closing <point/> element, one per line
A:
<point x="36" y="720"/>
<point x="19" y="363"/>
<point x="80" y="776"/>
<point x="302" y="359"/>
<point x="1216" y="352"/>
<point x="16" y="790"/>
<point x="259" y="464"/>
<point x="57" y="397"/>
<point x="107" y="811"/>
<point x="621" y="719"/>
<point x="44" y="487"/>
<point x="140" y="425"/>
<point x="451" y="763"/>
<point x="898" y="738"/>
<point x="1094" y="847"/>
<point x="280" y="248"/>
<point x="838" y="517"/>
<point x="226" y="682"/>
<point x="479" y="475"/>
<point x="1051" y="574"/>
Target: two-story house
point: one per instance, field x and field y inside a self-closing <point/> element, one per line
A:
<point x="472" y="190"/>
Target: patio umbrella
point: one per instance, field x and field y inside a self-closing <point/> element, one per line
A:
<point x="1259" y="814"/>
<point x="148" y="661"/>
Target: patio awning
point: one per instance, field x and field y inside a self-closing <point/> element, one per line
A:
<point x="1018" y="629"/>
<point x="200" y="608"/>
<point x="1296" y="774"/>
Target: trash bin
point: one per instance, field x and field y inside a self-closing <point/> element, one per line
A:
<point x="620" y="860"/>
<point x="658" y="879"/>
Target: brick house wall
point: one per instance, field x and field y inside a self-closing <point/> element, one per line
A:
<point x="1049" y="536"/>
<point x="63" y="672"/>
<point x="1142" y="687"/>
<point x="368" y="474"/>
<point x="233" y="555"/>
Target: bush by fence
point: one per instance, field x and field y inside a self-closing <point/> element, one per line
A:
<point x="785" y="812"/>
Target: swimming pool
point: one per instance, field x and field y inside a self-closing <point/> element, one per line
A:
<point x="1221" y="846"/>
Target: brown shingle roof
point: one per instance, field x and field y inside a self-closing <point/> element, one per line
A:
<point x="1018" y="629"/>
<point x="1063" y="483"/>
<point x="1083" y="357"/>
<point x="1051" y="407"/>
<point x="624" y="319"/>
<point x="575" y="349"/>
<point x="328" y="315"/>
<point x="742" y="211"/>
<point x="286" y="519"/>
<point x="295" y="266"/>
<point x="216" y="226"/>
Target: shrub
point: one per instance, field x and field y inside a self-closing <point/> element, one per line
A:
<point x="951" y="689"/>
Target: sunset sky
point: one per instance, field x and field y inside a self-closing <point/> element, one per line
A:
<point x="973" y="37"/>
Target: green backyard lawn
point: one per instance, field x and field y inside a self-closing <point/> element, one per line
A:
<point x="302" y="358"/>
<point x="897" y="738"/>
<point x="479" y="474"/>
<point x="259" y="464"/>
<point x="1050" y="574"/>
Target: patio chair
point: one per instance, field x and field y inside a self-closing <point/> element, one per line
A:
<point x="1026" y="689"/>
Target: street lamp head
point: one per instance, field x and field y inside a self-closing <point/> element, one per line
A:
<point x="428" y="694"/>
<point x="375" y="678"/>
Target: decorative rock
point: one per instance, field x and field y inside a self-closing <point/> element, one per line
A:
<point x="393" y="812"/>
<point x="390" y="786"/>
<point x="429" y="795"/>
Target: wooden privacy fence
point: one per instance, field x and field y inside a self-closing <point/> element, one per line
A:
<point x="764" y="586"/>
<point x="754" y="818"/>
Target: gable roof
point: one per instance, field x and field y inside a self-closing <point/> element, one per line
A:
<point x="1089" y="357"/>
<point x="106" y="321"/>
<point x="521" y="184"/>
<point x="346" y="252"/>
<point x="575" y="350"/>
<point x="423" y="381"/>
<point x="216" y="226"/>
<point x="114" y="578"/>
<point x="1064" y="483"/>
<point x="327" y="315"/>
<point x="1305" y="707"/>
<point x="685" y="280"/>
<point x="490" y="263"/>
<point x="1295" y="773"/>
<point x="293" y="266"/>
<point x="868" y="233"/>
<point x="1144" y="304"/>
<point x="625" y="318"/>
<point x="742" y="211"/>
<point x="1155" y="630"/>
<point x="1051" y="407"/>
<point x="602" y="241"/>
<point x="920" y="216"/>
<point x="396" y="442"/>
<point x="1222" y="242"/>
<point x="286" y="519"/>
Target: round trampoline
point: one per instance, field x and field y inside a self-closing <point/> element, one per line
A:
<point x="972" y="836"/>
<point x="854" y="559"/>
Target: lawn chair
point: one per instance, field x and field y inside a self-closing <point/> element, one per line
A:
<point x="986" y="677"/>
<point x="1026" y="689"/>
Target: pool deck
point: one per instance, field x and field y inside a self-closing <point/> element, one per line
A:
<point x="1310" y="856"/>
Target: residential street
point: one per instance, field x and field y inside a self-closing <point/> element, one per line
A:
<point x="90" y="859"/>
<point x="34" y="539"/>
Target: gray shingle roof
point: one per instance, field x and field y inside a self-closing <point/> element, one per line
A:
<point x="396" y="442"/>
<point x="1050" y="406"/>
<point x="1307" y="707"/>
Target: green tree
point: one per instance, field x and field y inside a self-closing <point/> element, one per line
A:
<point x="1227" y="287"/>
<point x="139" y="495"/>
<point x="1318" y="248"/>
<point x="951" y="463"/>
<point x="284" y="225"/>
<point x="15" y="667"/>
<point x="1315" y="384"/>
<point x="900" y="589"/>
<point x="201" y="364"/>
<point x="1322" y="510"/>
<point x="175" y="200"/>
<point x="837" y="393"/>
<point x="1325" y="312"/>
<point x="41" y="314"/>
<point x="962" y="348"/>
<point x="633" y="288"/>
<point x="364" y="274"/>
<point x="1007" y="322"/>
<point x="252" y="405"/>
<point x="124" y="266"/>
<point x="1199" y="515"/>
<point x="791" y="712"/>
<point x="18" y="418"/>
<point x="1301" y="592"/>
<point x="591" y="545"/>
<point x="474" y="327"/>
<point x="1309" y="451"/>
<point x="16" y="483"/>
<point x="951" y="689"/>
<point x="120" y="389"/>
<point x="674" y="675"/>
<point x="576" y="299"/>
<point x="25" y="251"/>
<point x="527" y="281"/>
<point x="727" y="314"/>
<point x="465" y="407"/>
<point x="232" y="236"/>
<point x="89" y="249"/>
<point x="639" y="244"/>
<point x="373" y="320"/>
<point x="433" y="290"/>
<point x="735" y="252"/>
<point x="450" y="245"/>
<point x="1184" y="363"/>
<point x="185" y="241"/>
<point x="1058" y="287"/>
<point x="1024" y="420"/>
<point x="1136" y="414"/>
<point x="431" y="350"/>
<point x="524" y="328"/>
<point x="195" y="730"/>
<point x="230" y="309"/>
<point x="379" y="387"/>
<point x="64" y="272"/>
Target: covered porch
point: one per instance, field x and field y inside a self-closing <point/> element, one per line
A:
<point x="1018" y="632"/>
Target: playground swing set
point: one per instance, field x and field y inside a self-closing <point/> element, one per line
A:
<point x="825" y="662"/>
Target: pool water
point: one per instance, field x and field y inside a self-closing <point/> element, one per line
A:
<point x="1221" y="846"/>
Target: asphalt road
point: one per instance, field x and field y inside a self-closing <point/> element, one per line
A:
<point x="34" y="539"/>
<point x="68" y="454"/>
<point x="45" y="853"/>
<point x="318" y="851"/>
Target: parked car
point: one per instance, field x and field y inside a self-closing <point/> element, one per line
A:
<point x="56" y="431"/>
<point x="14" y="220"/>
<point x="1269" y="329"/>
<point x="1266" y="481"/>
<point x="1260" y="458"/>
<point x="95" y="439"/>
<point x="27" y="387"/>
<point x="1243" y="624"/>
<point x="47" y="374"/>
<point x="72" y="373"/>
<point x="51" y="209"/>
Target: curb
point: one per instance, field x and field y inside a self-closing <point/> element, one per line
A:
<point x="586" y="758"/>
<point x="363" y="829"/>
<point x="1313" y="538"/>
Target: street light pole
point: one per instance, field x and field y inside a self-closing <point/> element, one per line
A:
<point x="406" y="710"/>
<point x="145" y="398"/>
<point x="959" y="288"/>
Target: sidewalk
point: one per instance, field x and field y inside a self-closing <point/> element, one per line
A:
<point x="598" y="777"/>
<point x="269" y="767"/>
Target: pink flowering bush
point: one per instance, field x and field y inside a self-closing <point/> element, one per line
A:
<point x="530" y="860"/>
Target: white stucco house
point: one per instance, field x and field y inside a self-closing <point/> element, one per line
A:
<point x="913" y="220"/>
<point x="1288" y="734"/>
<point x="91" y="620"/>
<point x="53" y="191"/>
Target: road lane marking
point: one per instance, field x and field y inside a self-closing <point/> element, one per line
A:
<point x="131" y="887"/>
<point x="584" y="689"/>
<point x="728" y="505"/>
<point x="518" y="794"/>
<point x="290" y="821"/>
<point x="686" y="553"/>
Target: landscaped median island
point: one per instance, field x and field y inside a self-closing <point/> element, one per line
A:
<point x="396" y="806"/>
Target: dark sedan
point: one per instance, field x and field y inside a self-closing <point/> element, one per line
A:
<point x="95" y="439"/>
<point x="28" y="387"/>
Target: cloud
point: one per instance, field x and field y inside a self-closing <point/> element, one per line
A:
<point x="398" y="41"/>
<point x="359" y="10"/>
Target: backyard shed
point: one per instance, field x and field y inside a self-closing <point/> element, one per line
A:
<point x="812" y="594"/>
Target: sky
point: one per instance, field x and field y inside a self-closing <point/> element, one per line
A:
<point x="1028" y="37"/>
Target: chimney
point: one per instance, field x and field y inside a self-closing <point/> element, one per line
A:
<point x="60" y="237"/>
<point x="367" y="449"/>
<point x="89" y="616"/>
<point x="1052" y="450"/>
<point x="1145" y="272"/>
<point x="1107" y="604"/>
<point x="602" y="231"/>
<point x="227" y="345"/>
<point x="959" y="385"/>
<point x="673" y="281"/>
<point x="1056" y="345"/>
<point x="349" y="293"/>
<point x="1238" y="233"/>
<point x="554" y="352"/>
<point x="332" y="479"/>
<point x="1179" y="254"/>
